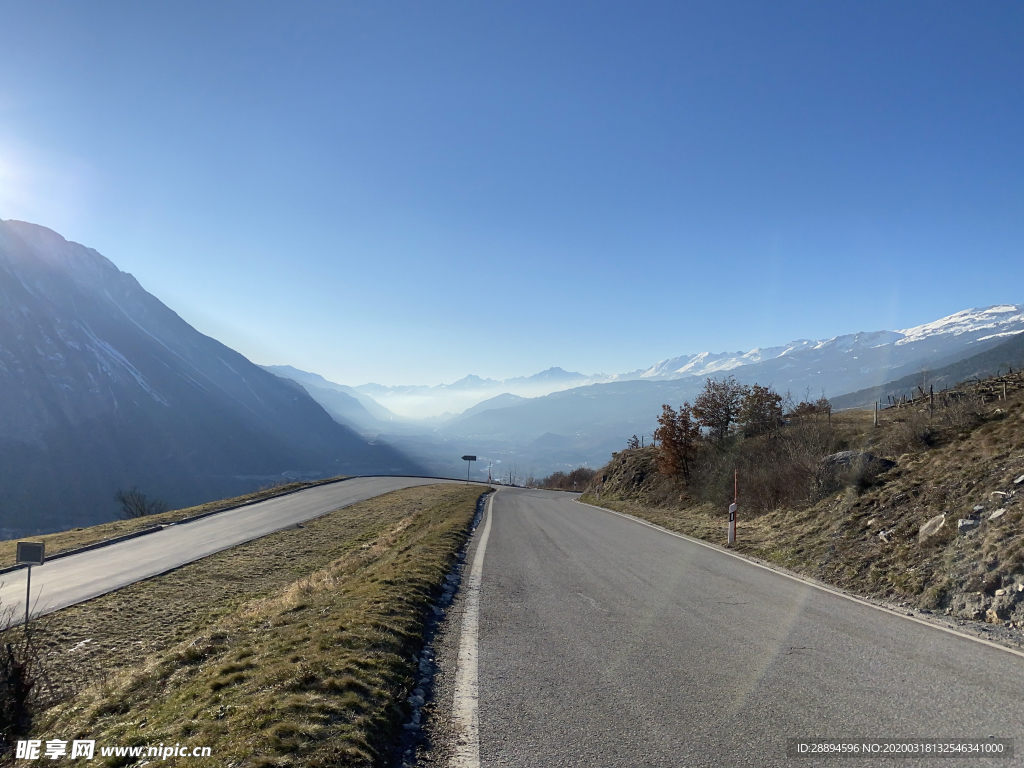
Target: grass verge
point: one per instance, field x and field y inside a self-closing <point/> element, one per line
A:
<point x="296" y="649"/>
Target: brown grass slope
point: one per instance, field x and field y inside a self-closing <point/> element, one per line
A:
<point x="867" y="537"/>
<point x="295" y="649"/>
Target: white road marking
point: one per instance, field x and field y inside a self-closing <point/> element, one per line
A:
<point x="802" y="580"/>
<point x="465" y="708"/>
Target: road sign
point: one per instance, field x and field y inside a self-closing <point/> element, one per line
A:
<point x="469" y="463"/>
<point x="31" y="552"/>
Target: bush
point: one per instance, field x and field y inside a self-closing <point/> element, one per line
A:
<point x="135" y="504"/>
<point x="25" y="689"/>
<point x="576" y="480"/>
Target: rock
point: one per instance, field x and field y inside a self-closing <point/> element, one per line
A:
<point x="1020" y="587"/>
<point x="932" y="527"/>
<point x="978" y="508"/>
<point x="997" y="514"/>
<point x="971" y="606"/>
<point x="965" y="525"/>
<point x="1000" y="592"/>
<point x="1019" y="480"/>
<point x="884" y="536"/>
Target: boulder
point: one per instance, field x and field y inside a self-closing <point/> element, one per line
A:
<point x="966" y="524"/>
<point x="932" y="527"/>
<point x="997" y="514"/>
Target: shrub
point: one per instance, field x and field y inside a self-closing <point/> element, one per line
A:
<point x="135" y="504"/>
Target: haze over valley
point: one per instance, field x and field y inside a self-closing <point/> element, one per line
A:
<point x="555" y="420"/>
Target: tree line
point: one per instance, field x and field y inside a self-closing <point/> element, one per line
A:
<point x="773" y="440"/>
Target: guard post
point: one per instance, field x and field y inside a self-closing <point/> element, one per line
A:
<point x="733" y="506"/>
<point x="30" y="553"/>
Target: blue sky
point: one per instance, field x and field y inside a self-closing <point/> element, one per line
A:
<point x="409" y="192"/>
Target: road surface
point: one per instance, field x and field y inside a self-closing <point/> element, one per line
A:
<point x="76" y="578"/>
<point x="605" y="642"/>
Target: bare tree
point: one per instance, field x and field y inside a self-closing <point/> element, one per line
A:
<point x="135" y="504"/>
<point x="718" y="406"/>
<point x="679" y="435"/>
<point x="760" y="411"/>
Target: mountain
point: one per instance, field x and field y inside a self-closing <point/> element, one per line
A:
<point x="345" y="404"/>
<point x="102" y="386"/>
<point x="1000" y="359"/>
<point x="593" y="417"/>
<point x="558" y="419"/>
<point x="948" y="337"/>
<point x="499" y="401"/>
<point x="419" y="401"/>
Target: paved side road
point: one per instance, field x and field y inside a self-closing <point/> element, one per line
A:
<point x="604" y="642"/>
<point x="77" y="578"/>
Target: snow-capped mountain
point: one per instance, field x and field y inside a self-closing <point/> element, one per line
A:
<point x="923" y="343"/>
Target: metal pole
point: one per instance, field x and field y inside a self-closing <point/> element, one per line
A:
<point x="28" y="594"/>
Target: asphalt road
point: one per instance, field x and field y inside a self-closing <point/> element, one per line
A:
<point x="69" y="580"/>
<point x="604" y="642"/>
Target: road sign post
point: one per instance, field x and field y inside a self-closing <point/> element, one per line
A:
<point x="30" y="553"/>
<point x="469" y="463"/>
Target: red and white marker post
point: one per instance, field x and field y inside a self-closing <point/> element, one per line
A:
<point x="732" y="507"/>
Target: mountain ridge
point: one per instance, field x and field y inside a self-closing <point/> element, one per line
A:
<point x="103" y="386"/>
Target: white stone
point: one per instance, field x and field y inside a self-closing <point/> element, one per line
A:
<point x="932" y="527"/>
<point x="997" y="514"/>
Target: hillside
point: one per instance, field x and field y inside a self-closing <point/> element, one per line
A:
<point x="892" y="535"/>
<point x="102" y="386"/>
<point x="1006" y="356"/>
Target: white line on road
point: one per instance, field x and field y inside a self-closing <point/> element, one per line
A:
<point x="802" y="580"/>
<point x="465" y="708"/>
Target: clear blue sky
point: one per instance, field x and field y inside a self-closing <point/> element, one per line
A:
<point x="409" y="192"/>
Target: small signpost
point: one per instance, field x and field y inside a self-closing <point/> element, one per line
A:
<point x="733" y="506"/>
<point x="30" y="553"/>
<point x="469" y="463"/>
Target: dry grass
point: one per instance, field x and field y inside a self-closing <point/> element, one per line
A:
<point x="81" y="537"/>
<point x="270" y="659"/>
